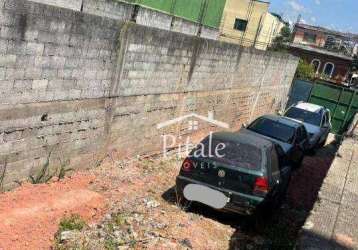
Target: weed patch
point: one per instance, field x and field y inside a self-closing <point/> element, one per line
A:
<point x="44" y="174"/>
<point x="2" y="175"/>
<point x="73" y="222"/>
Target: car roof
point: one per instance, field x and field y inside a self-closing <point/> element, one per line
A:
<point x="309" y="107"/>
<point x="284" y="120"/>
<point x="243" y="137"/>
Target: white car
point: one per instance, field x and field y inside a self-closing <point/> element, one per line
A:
<point x="317" y="120"/>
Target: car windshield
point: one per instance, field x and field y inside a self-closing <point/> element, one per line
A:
<point x="230" y="152"/>
<point x="273" y="129"/>
<point x="304" y="116"/>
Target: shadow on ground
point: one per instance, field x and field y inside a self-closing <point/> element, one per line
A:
<point x="280" y="231"/>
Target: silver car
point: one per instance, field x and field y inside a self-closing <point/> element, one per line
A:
<point x="317" y="120"/>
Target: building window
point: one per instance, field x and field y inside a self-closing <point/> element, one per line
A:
<point x="316" y="65"/>
<point x="328" y="69"/>
<point x="309" y="37"/>
<point x="240" y="24"/>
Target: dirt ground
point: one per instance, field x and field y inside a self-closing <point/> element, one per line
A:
<point x="133" y="206"/>
<point x="29" y="215"/>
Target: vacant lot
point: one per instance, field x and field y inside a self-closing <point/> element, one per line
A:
<point x="133" y="205"/>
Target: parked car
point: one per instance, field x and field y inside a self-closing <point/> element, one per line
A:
<point x="291" y="135"/>
<point x="317" y="120"/>
<point x="249" y="173"/>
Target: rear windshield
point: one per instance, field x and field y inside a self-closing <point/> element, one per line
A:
<point x="229" y="152"/>
<point x="304" y="116"/>
<point x="273" y="129"/>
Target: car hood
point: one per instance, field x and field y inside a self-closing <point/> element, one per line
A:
<point x="285" y="146"/>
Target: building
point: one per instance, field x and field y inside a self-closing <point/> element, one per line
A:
<point x="330" y="52"/>
<point x="249" y="23"/>
<point x="270" y="28"/>
<point x="241" y="21"/>
<point x="328" y="65"/>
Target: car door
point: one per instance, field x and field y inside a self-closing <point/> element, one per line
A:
<point x="298" y="145"/>
<point x="281" y="164"/>
<point x="305" y="138"/>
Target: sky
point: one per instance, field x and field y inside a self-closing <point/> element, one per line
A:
<point x="340" y="15"/>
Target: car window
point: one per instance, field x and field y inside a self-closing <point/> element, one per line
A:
<point x="273" y="129"/>
<point x="304" y="116"/>
<point x="233" y="153"/>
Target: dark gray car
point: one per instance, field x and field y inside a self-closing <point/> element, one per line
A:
<point x="291" y="135"/>
<point x="248" y="174"/>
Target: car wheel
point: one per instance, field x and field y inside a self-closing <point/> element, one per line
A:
<point x="312" y="151"/>
<point x="298" y="163"/>
<point x="267" y="209"/>
<point x="321" y="145"/>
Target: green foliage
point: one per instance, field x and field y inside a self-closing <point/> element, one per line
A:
<point x="73" y="222"/>
<point x="110" y="244"/>
<point x="2" y="175"/>
<point x="280" y="43"/>
<point x="305" y="71"/>
<point x="63" y="170"/>
<point x="43" y="175"/>
<point x="70" y="223"/>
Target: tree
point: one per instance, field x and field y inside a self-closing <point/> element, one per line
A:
<point x="305" y="71"/>
<point x="280" y="43"/>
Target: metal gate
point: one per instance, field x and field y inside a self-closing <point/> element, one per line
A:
<point x="300" y="91"/>
<point x="341" y="101"/>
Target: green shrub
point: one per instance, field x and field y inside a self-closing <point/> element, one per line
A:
<point x="73" y="222"/>
<point x="305" y="71"/>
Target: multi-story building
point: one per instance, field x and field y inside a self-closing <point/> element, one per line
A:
<point x="241" y="20"/>
<point x="330" y="52"/>
<point x="245" y="22"/>
<point x="249" y="23"/>
<point x="270" y="28"/>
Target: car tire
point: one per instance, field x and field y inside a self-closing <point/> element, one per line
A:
<point x="268" y="208"/>
<point x="312" y="151"/>
<point x="322" y="144"/>
<point x="298" y="164"/>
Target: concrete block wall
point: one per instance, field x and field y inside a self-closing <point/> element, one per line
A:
<point x="166" y="75"/>
<point x="144" y="16"/>
<point x="111" y="9"/>
<point x="56" y="69"/>
<point x="77" y="85"/>
<point x="68" y="4"/>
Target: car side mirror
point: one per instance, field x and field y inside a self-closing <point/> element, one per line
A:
<point x="280" y="112"/>
<point x="244" y="125"/>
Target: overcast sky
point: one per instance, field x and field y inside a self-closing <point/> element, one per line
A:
<point x="340" y="15"/>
